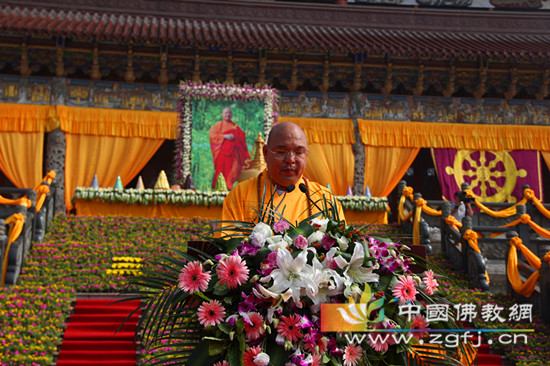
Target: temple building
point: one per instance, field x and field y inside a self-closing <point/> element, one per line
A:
<point x="436" y="92"/>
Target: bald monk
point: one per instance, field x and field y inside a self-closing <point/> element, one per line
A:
<point x="285" y="156"/>
<point x="229" y="150"/>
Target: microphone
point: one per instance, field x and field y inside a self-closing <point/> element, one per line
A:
<point x="288" y="189"/>
<point x="303" y="188"/>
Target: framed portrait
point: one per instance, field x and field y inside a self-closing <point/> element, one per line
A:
<point x="219" y="124"/>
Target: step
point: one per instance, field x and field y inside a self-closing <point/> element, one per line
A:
<point x="76" y="344"/>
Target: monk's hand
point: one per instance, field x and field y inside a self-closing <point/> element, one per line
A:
<point x="229" y="136"/>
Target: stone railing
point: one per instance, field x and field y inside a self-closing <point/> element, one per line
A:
<point x="471" y="243"/>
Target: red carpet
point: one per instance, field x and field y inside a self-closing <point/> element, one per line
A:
<point x="484" y="356"/>
<point x="91" y="337"/>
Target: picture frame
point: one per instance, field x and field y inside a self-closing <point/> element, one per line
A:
<point x="200" y="107"/>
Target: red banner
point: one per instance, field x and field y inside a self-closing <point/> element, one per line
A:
<point x="493" y="176"/>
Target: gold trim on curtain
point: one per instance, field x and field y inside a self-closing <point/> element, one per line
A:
<point x="464" y="136"/>
<point x="27" y="118"/>
<point x="106" y="156"/>
<point x="118" y="122"/>
<point x="21" y="155"/>
<point x="385" y="166"/>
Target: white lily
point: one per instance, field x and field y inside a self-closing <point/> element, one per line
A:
<point x="354" y="270"/>
<point x="293" y="274"/>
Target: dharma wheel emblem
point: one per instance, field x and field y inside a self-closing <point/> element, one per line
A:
<point x="493" y="173"/>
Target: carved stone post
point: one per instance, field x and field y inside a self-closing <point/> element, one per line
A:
<point x="358" y="148"/>
<point x="55" y="160"/>
<point x="445" y="212"/>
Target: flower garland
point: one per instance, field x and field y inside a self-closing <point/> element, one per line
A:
<point x="186" y="197"/>
<point x="189" y="91"/>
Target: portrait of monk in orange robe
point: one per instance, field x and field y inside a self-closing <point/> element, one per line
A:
<point x="229" y="150"/>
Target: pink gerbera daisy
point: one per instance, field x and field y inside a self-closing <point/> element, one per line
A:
<point x="233" y="271"/>
<point x="404" y="289"/>
<point x="419" y="322"/>
<point x="288" y="327"/>
<point x="222" y="363"/>
<point x="249" y="354"/>
<point x="254" y="326"/>
<point x="192" y="278"/>
<point x="352" y="355"/>
<point x="430" y="282"/>
<point x="211" y="313"/>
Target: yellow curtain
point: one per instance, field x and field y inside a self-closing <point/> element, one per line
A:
<point x="106" y="156"/>
<point x="27" y="118"/>
<point x="463" y="136"/>
<point x="331" y="161"/>
<point x="110" y="143"/>
<point x="118" y="122"/>
<point x="22" y="128"/>
<point x="21" y="155"/>
<point x="331" y="165"/>
<point x="385" y="166"/>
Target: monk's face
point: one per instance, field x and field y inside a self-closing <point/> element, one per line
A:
<point x="227" y="114"/>
<point x="284" y="166"/>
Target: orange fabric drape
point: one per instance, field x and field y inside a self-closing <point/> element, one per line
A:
<point x="331" y="165"/>
<point x="110" y="143"/>
<point x="106" y="156"/>
<point x="331" y="160"/>
<point x="16" y="222"/>
<point x="464" y="136"/>
<point x="118" y="122"/>
<point x="385" y="166"/>
<point x="22" y="128"/>
<point x="21" y="155"/>
<point x="528" y="287"/>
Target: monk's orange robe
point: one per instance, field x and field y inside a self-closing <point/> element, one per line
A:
<point x="241" y="204"/>
<point x="229" y="156"/>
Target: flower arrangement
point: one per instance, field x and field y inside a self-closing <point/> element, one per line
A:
<point x="186" y="197"/>
<point x="261" y="300"/>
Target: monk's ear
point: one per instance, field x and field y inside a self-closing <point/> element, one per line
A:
<point x="264" y="150"/>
